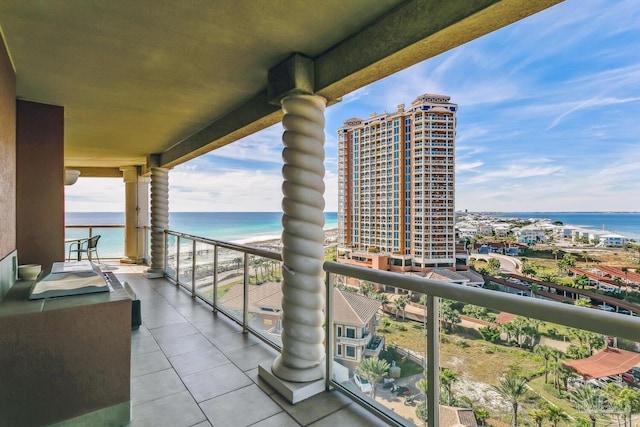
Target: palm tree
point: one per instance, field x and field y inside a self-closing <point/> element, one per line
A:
<point x="555" y="415"/>
<point x="373" y="370"/>
<point x="447" y="378"/>
<point x="366" y="288"/>
<point x="581" y="280"/>
<point x="400" y="304"/>
<point x="588" y="400"/>
<point x="538" y="416"/>
<point x="583" y="302"/>
<point x="546" y="352"/>
<point x="512" y="387"/>
<point x="481" y="415"/>
<point x="450" y="315"/>
<point x="563" y="373"/>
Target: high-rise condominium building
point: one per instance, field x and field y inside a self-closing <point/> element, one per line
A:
<point x="396" y="187"/>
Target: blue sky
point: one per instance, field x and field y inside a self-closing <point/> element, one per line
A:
<point x="549" y="120"/>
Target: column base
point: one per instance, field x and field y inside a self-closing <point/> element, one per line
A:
<point x="153" y="273"/>
<point x="293" y="392"/>
<point x="129" y="260"/>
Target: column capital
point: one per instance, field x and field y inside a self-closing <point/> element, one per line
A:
<point x="130" y="173"/>
<point x="294" y="75"/>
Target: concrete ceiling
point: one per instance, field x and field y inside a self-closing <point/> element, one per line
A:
<point x="180" y="78"/>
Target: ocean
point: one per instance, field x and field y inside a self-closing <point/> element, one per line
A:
<point x="244" y="227"/>
<point x="624" y="223"/>
<point x="237" y="227"/>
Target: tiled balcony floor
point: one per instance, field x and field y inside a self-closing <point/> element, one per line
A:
<point x="190" y="367"/>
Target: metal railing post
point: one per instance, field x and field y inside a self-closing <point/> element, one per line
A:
<point x="433" y="362"/>
<point x="215" y="278"/>
<point x="166" y="252"/>
<point x="178" y="261"/>
<point x="328" y="310"/>
<point x="245" y="298"/>
<point x="193" y="269"/>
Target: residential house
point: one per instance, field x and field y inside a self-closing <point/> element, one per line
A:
<point x="355" y="318"/>
<point x="530" y="234"/>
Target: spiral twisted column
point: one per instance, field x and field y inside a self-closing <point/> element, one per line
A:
<point x="302" y="239"/>
<point x="159" y="219"/>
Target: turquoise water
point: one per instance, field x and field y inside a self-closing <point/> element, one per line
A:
<point x="244" y="227"/>
<point x="239" y="227"/>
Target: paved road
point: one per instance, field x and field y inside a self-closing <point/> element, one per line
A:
<point x="508" y="264"/>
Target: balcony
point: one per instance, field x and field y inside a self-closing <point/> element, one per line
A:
<point x="197" y="355"/>
<point x="190" y="365"/>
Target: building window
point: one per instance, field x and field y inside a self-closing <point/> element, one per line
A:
<point x="339" y="331"/>
<point x="351" y="332"/>
<point x="339" y="350"/>
<point x="351" y="351"/>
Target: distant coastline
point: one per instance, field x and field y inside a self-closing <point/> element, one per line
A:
<point x="624" y="223"/>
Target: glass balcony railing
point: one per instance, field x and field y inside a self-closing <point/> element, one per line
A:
<point x="443" y="344"/>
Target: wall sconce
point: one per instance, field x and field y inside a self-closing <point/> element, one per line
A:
<point x="71" y="176"/>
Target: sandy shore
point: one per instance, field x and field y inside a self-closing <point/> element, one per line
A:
<point x="331" y="237"/>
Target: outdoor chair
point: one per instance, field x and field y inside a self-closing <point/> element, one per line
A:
<point x="88" y="246"/>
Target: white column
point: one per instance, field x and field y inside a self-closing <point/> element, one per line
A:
<point x="303" y="287"/>
<point x="159" y="219"/>
<point x="136" y="211"/>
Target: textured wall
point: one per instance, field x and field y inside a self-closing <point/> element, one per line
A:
<point x="39" y="183"/>
<point x="7" y="153"/>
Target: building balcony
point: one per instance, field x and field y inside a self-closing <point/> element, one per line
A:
<point x="364" y="341"/>
<point x="197" y="361"/>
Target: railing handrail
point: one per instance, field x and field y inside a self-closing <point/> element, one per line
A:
<point x="265" y="253"/>
<point x="611" y="324"/>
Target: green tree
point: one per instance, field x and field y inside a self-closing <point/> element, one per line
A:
<point x="494" y="266"/>
<point x="547" y="353"/>
<point x="512" y="387"/>
<point x="399" y="304"/>
<point x="450" y="315"/>
<point x="563" y="373"/>
<point x="581" y="281"/>
<point x="555" y="415"/>
<point x="589" y="401"/>
<point x="490" y="333"/>
<point x="625" y="401"/>
<point x="481" y="415"/>
<point x="366" y="288"/>
<point x="383" y="298"/>
<point x="583" y="302"/>
<point x="373" y="369"/>
<point x="538" y="416"/>
<point x="447" y="378"/>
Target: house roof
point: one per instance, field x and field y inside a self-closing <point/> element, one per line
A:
<point x="349" y="308"/>
<point x="457" y="417"/>
<point x="352" y="308"/>
<point x="610" y="361"/>
<point x="173" y="80"/>
<point x="268" y="295"/>
<point x="504" y="317"/>
<point x="446" y="275"/>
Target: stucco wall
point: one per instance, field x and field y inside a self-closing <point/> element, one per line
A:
<point x="7" y="153"/>
<point x="39" y="183"/>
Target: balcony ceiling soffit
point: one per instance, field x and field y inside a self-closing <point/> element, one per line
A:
<point x="183" y="78"/>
